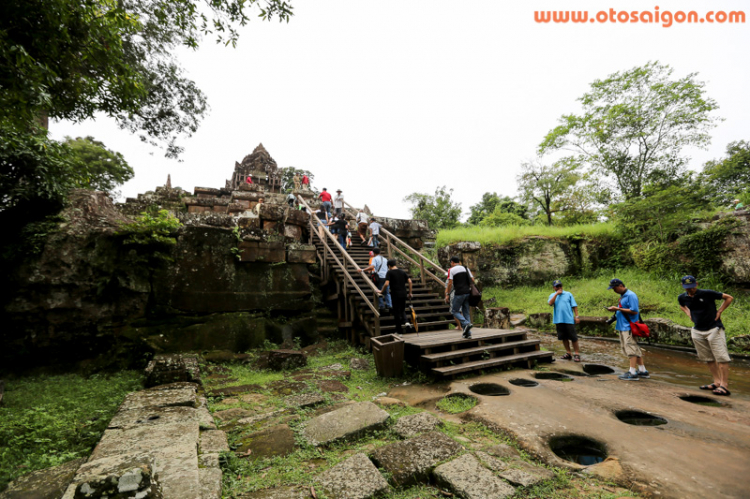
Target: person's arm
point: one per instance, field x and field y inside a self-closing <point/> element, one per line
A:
<point x="448" y="289"/>
<point x="728" y="299"/>
<point x="408" y="279"/>
<point x="575" y="312"/>
<point x="554" y="297"/>
<point x="382" y="290"/>
<point x="687" y="311"/>
<point x="366" y="269"/>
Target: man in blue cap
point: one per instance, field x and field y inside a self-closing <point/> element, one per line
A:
<point x="627" y="311"/>
<point x="708" y="331"/>
<point x="565" y="318"/>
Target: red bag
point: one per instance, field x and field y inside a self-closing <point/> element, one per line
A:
<point x="638" y="328"/>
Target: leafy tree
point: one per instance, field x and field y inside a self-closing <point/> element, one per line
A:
<point x="665" y="211"/>
<point x="544" y="185"/>
<point x="729" y="178"/>
<point x="635" y="123"/>
<point x="72" y="59"/>
<point x="287" y="177"/>
<point x="490" y="203"/>
<point x="439" y="210"/>
<point x="500" y="217"/>
<point x="101" y="169"/>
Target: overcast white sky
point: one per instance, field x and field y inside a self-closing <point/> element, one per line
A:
<point x="382" y="99"/>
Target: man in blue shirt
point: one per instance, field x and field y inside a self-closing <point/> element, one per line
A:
<point x="627" y="312"/>
<point x="708" y="333"/>
<point x="565" y="318"/>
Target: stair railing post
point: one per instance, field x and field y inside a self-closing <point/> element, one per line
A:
<point x="389" y="241"/>
<point x="421" y="271"/>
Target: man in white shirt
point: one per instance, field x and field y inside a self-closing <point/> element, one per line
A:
<point x="338" y="202"/>
<point x="375" y="232"/>
<point x="362" y="226"/>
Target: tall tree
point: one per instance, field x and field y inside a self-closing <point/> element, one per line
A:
<point x="729" y="178"/>
<point x="438" y="210"/>
<point x="100" y="168"/>
<point x="492" y="203"/>
<point x="635" y="123"/>
<point x="72" y="59"/>
<point x="543" y="185"/>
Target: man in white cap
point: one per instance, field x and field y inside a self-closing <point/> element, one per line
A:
<point x="338" y="202"/>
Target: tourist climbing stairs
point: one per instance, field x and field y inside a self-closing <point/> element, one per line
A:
<point x="434" y="347"/>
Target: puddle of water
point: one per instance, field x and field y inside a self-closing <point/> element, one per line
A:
<point x="638" y="418"/>
<point x="523" y="382"/>
<point x="578" y="449"/>
<point x="489" y="389"/>
<point x="678" y="368"/>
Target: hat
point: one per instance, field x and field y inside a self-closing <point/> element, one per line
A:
<point x="339" y="190"/>
<point x="615" y="282"/>
<point x="689" y="282"/>
<point x="557" y="283"/>
<point x="372" y="254"/>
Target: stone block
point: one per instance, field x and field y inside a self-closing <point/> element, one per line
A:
<point x="148" y="439"/>
<point x="209" y="460"/>
<point x="210" y="483"/>
<point x="271" y="442"/>
<point x="236" y="207"/>
<point x="213" y="441"/>
<point x="540" y="320"/>
<point x="467" y="478"/>
<point x="151" y="416"/>
<point x="244" y="203"/>
<point x="293" y="232"/>
<point x="497" y="318"/>
<point x="414" y="424"/>
<point x="48" y="483"/>
<point x="411" y="461"/>
<point x="298" y="217"/>
<point x="355" y="478"/>
<point x="197" y="209"/>
<point x="278" y="493"/>
<point x="594" y="326"/>
<point x="184" y="396"/>
<point x="230" y="391"/>
<point x="345" y="423"/>
<point x="219" y="208"/>
<point x="118" y="477"/>
<point x="250" y="188"/>
<point x="271" y="226"/>
<point x="302" y="254"/>
<point x="304" y="400"/>
<point x="359" y="364"/>
<point x="741" y="342"/>
<point x="172" y="368"/>
<point x="207" y="192"/>
<point x="246" y="196"/>
<point x="270" y="252"/>
<point x="491" y="462"/>
<point x="521" y="478"/>
<point x="280" y="360"/>
<point x="272" y="212"/>
<point x="232" y="414"/>
<point x="517" y="320"/>
<point x="249" y="222"/>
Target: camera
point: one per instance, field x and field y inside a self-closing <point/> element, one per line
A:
<point x="611" y="319"/>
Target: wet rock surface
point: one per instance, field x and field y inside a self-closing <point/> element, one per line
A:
<point x="345" y="423"/>
<point x="355" y="478"/>
<point x="50" y="483"/>
<point x="467" y="478"/>
<point x="412" y="460"/>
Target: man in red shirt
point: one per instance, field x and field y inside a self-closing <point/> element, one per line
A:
<point x="306" y="182"/>
<point x="249" y="180"/>
<point x="325" y="199"/>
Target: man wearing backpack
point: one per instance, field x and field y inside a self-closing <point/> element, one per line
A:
<point x="708" y="331"/>
<point x="627" y="311"/>
<point x="379" y="268"/>
<point x="460" y="279"/>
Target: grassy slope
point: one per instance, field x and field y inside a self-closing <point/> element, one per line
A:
<point x="48" y="420"/>
<point x="592" y="296"/>
<point x="507" y="234"/>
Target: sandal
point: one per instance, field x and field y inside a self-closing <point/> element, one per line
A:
<point x="712" y="387"/>
<point x="577" y="358"/>
<point x="722" y="391"/>
<point x="567" y="356"/>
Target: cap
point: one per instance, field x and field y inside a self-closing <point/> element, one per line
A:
<point x="372" y="254"/>
<point x="557" y="283"/>
<point x="615" y="282"/>
<point x="339" y="190"/>
<point x="689" y="282"/>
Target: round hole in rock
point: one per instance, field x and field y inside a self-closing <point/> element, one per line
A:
<point x="551" y="375"/>
<point x="597" y="369"/>
<point x="489" y="389"/>
<point x="577" y="449"/>
<point x="639" y="418"/>
<point x="456" y="403"/>
<point x="571" y="372"/>
<point x="697" y="399"/>
<point x="523" y="382"/>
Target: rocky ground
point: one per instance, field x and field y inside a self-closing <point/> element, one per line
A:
<point x="334" y="429"/>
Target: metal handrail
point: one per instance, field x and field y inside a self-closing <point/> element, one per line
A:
<point x="423" y="258"/>
<point x="347" y="258"/>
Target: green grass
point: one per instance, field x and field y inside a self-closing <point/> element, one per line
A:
<point x="510" y="233"/>
<point x="48" y="420"/>
<point x="456" y="403"/>
<point x="658" y="295"/>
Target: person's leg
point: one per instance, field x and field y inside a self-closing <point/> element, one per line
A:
<point x="466" y="312"/>
<point x="723" y="368"/>
<point x="387" y="297"/>
<point x="375" y="240"/>
<point x="703" y="349"/>
<point x="458" y="302"/>
<point x="566" y="344"/>
<point x="399" y="304"/>
<point x="575" y="348"/>
<point x="715" y="374"/>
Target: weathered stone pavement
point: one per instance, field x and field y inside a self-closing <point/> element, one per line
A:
<point x="347" y="422"/>
<point x="355" y="478"/>
<point x="467" y="478"/>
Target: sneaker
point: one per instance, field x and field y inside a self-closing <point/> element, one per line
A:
<point x="467" y="330"/>
<point x="628" y="376"/>
<point x="643" y="374"/>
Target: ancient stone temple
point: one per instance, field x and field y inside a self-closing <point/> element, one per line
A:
<point x="260" y="167"/>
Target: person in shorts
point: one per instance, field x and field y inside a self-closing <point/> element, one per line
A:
<point x="627" y="311"/>
<point x="565" y="318"/>
<point x="708" y="333"/>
